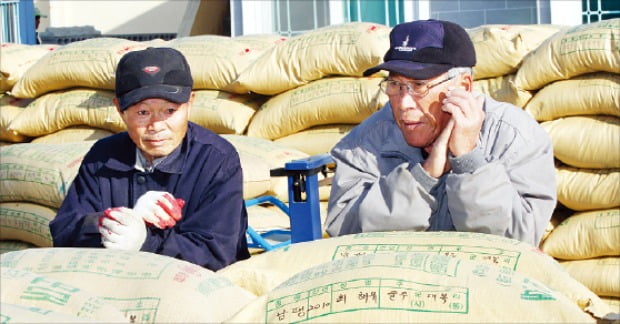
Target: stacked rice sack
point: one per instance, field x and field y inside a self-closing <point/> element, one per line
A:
<point x="278" y="99"/>
<point x="99" y="285"/>
<point x="500" y="50"/>
<point x="412" y="277"/>
<point x="577" y="82"/>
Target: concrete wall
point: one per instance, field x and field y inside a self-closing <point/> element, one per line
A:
<point x="114" y="16"/>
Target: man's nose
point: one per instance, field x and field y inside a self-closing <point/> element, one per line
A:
<point x="406" y="101"/>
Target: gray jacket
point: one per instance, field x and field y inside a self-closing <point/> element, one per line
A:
<point x="505" y="186"/>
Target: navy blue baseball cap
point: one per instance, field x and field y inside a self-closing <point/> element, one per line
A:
<point x="423" y="49"/>
<point x="160" y="72"/>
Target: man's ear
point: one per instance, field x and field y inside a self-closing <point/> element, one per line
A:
<point x="466" y="81"/>
<point x="190" y="102"/>
<point x="117" y="104"/>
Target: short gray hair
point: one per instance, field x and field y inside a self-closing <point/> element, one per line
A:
<point x="453" y="72"/>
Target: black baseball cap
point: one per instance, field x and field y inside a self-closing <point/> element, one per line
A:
<point x="159" y="72"/>
<point x="423" y="49"/>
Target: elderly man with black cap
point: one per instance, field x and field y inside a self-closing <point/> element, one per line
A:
<point x="439" y="156"/>
<point x="167" y="185"/>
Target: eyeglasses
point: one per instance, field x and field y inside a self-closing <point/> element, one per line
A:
<point x="415" y="88"/>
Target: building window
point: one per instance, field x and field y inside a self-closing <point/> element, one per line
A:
<point x="597" y="10"/>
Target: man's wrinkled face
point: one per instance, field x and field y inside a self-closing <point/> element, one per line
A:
<point x="157" y="126"/>
<point x="419" y="116"/>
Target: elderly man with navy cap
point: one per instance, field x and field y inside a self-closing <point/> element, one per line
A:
<point x="166" y="185"/>
<point x="439" y="156"/>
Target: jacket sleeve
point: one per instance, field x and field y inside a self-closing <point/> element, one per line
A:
<point x="76" y="222"/>
<point x="212" y="230"/>
<point x="362" y="200"/>
<point x="512" y="197"/>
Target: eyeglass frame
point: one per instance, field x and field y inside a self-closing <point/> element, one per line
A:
<point x="452" y="73"/>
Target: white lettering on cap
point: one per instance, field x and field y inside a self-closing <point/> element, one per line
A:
<point x="404" y="47"/>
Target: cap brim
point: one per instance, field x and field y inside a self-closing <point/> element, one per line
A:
<point x="176" y="94"/>
<point x="414" y="70"/>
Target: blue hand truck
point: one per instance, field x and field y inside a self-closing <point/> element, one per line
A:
<point x="303" y="205"/>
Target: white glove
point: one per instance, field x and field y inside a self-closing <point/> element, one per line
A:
<point x="159" y="208"/>
<point x="122" y="229"/>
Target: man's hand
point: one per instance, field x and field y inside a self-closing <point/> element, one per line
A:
<point x="468" y="115"/>
<point x="159" y="208"/>
<point x="437" y="162"/>
<point x="121" y="229"/>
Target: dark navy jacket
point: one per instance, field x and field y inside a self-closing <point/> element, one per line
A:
<point x="208" y="177"/>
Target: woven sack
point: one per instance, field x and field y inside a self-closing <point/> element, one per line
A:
<point x="39" y="173"/>
<point x="17" y="59"/>
<point x="410" y="288"/>
<point x="585" y="235"/>
<point x="316" y="140"/>
<point x="598" y="274"/>
<point x="502" y="88"/>
<point x="54" y="111"/>
<point x="147" y="287"/>
<point x="10" y="108"/>
<point x="500" y="49"/>
<point x="89" y="63"/>
<point x="588" y="189"/>
<point x="27" y="288"/>
<point x="570" y="52"/>
<point x="589" y="142"/>
<point x="337" y="100"/>
<point x="263" y="273"/>
<point x="347" y="50"/>
<point x="73" y="134"/>
<point x="588" y="94"/>
<point x="26" y="222"/>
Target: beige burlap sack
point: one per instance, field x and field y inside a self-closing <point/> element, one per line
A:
<point x="263" y="218"/>
<point x="585" y="235"/>
<point x="316" y="140"/>
<point x="613" y="302"/>
<point x="10" y="108"/>
<point x="147" y="287"/>
<point x="215" y="61"/>
<point x="598" y="274"/>
<point x="39" y="173"/>
<point x="347" y="49"/>
<point x="502" y="88"/>
<point x="13" y="245"/>
<point x="13" y="313"/>
<point x="61" y="109"/>
<point x="32" y="289"/>
<point x="500" y="49"/>
<point x="73" y="134"/>
<point x="262" y="273"/>
<point x="224" y="112"/>
<point x="89" y="63"/>
<point x="256" y="178"/>
<point x="408" y="288"/>
<point x="260" y="42"/>
<point x="26" y="222"/>
<point x="16" y="59"/>
<point x="275" y="155"/>
<point x="560" y="213"/>
<point x="338" y="100"/>
<point x="572" y="51"/>
<point x="588" y="94"/>
<point x="589" y="142"/>
<point x="588" y="189"/>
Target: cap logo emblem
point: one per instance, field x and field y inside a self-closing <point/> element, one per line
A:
<point x="151" y="69"/>
<point x="405" y="47"/>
